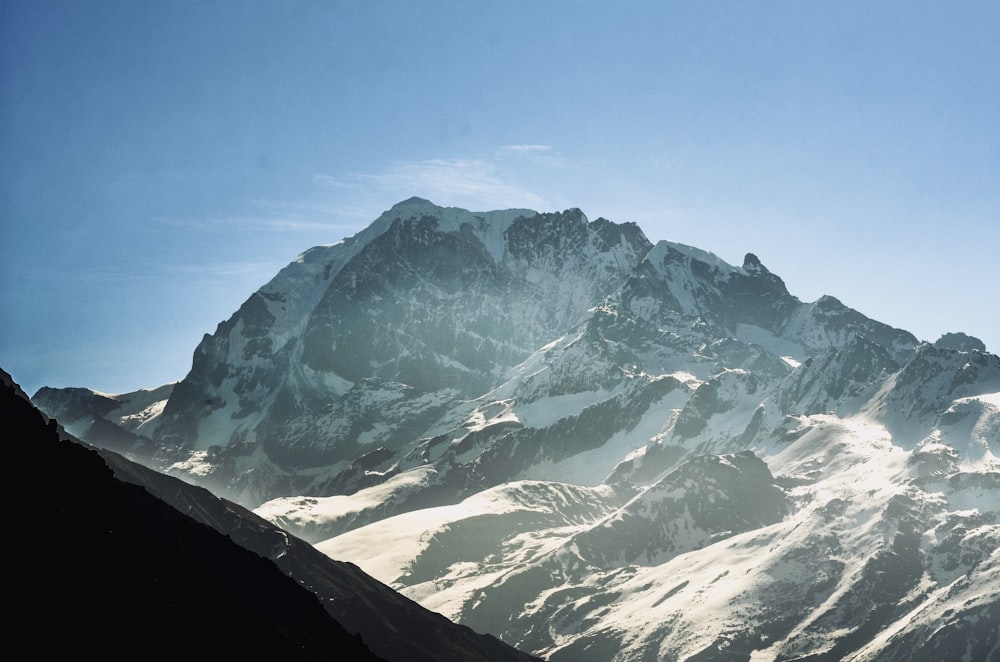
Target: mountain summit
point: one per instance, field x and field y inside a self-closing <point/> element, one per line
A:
<point x="597" y="448"/>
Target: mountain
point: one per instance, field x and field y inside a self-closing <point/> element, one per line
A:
<point x="155" y="558"/>
<point x="110" y="567"/>
<point x="121" y="422"/>
<point x="597" y="448"/>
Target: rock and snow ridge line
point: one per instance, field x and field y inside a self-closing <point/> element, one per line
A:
<point x="410" y="376"/>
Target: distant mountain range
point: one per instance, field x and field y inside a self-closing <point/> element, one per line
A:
<point x="596" y="448"/>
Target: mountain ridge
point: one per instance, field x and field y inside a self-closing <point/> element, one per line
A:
<point x="280" y="596"/>
<point x="442" y="370"/>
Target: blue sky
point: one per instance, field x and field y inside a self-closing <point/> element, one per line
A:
<point x="160" y="161"/>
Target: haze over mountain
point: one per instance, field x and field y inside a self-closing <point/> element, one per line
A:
<point x="159" y="161"/>
<point x="596" y="447"/>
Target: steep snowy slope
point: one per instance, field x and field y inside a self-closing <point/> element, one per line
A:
<point x="121" y="422"/>
<point x="365" y="344"/>
<point x="750" y="303"/>
<point x="855" y="557"/>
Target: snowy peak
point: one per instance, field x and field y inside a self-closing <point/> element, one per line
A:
<point x="489" y="227"/>
<point x="410" y="204"/>
<point x="678" y="279"/>
<point x="827" y="323"/>
<point x="442" y="301"/>
<point x="961" y="342"/>
<point x="462" y="293"/>
<point x="123" y="422"/>
<point x="706" y="499"/>
<point x="841" y="380"/>
<point x="751" y="264"/>
<point x="939" y="388"/>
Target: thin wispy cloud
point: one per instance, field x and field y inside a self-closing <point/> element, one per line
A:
<point x="525" y="149"/>
<point x="465" y="182"/>
<point x="536" y="154"/>
<point x="329" y="181"/>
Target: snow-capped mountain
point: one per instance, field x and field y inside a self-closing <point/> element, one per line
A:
<point x="596" y="448"/>
<point x="121" y="422"/>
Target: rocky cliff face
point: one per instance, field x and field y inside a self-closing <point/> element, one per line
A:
<point x="365" y="344"/>
<point x="761" y="475"/>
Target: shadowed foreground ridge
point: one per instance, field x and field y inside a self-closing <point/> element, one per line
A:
<point x="116" y="570"/>
<point x="112" y="568"/>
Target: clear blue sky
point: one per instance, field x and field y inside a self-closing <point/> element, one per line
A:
<point x="159" y="161"/>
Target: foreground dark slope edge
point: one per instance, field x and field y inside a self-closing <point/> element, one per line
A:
<point x="882" y="446"/>
<point x="127" y="558"/>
